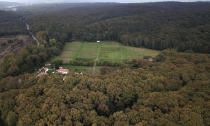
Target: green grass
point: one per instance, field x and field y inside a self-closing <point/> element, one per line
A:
<point x="108" y="51"/>
<point x="80" y="68"/>
<point x="89" y="51"/>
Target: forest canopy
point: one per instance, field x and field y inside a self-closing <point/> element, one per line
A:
<point x="184" y="26"/>
<point x="172" y="91"/>
<point x="11" y="24"/>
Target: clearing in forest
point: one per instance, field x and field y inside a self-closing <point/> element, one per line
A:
<point x="105" y="51"/>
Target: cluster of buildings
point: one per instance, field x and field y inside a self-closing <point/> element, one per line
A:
<point x="45" y="70"/>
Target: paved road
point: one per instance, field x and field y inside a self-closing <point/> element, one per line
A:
<point x="31" y="33"/>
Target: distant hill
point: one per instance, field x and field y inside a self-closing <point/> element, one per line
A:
<point x="43" y="8"/>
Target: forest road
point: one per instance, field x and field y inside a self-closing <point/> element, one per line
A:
<point x="31" y="33"/>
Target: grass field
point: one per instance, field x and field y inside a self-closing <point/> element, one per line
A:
<point x="105" y="51"/>
<point x="81" y="68"/>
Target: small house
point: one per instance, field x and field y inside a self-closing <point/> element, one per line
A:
<point x="63" y="71"/>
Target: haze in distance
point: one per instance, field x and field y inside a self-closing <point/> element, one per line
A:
<point x="80" y="1"/>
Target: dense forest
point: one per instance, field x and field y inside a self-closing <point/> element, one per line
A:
<point x="184" y="26"/>
<point x="173" y="91"/>
<point x="11" y="24"/>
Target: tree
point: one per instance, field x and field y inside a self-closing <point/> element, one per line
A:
<point x="8" y="65"/>
<point x="12" y="118"/>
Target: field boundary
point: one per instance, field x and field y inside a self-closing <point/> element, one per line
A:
<point x="97" y="57"/>
<point x="124" y="52"/>
<point x="78" y="51"/>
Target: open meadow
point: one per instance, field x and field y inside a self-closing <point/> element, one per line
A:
<point x="105" y="51"/>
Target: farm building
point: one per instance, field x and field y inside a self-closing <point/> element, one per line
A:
<point x="63" y="71"/>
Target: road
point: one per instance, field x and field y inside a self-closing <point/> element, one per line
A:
<point x="31" y="33"/>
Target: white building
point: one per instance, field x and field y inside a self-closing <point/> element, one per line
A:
<point x="63" y="71"/>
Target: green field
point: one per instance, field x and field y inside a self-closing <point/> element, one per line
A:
<point x="105" y="51"/>
<point x="80" y="68"/>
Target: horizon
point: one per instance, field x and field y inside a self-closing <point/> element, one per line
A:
<point x="95" y="1"/>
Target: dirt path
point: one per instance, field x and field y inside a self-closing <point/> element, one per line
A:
<point x="97" y="57"/>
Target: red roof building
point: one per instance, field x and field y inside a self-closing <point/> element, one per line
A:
<point x="63" y="71"/>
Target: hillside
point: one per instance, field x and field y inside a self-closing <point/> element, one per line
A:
<point x="184" y="26"/>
